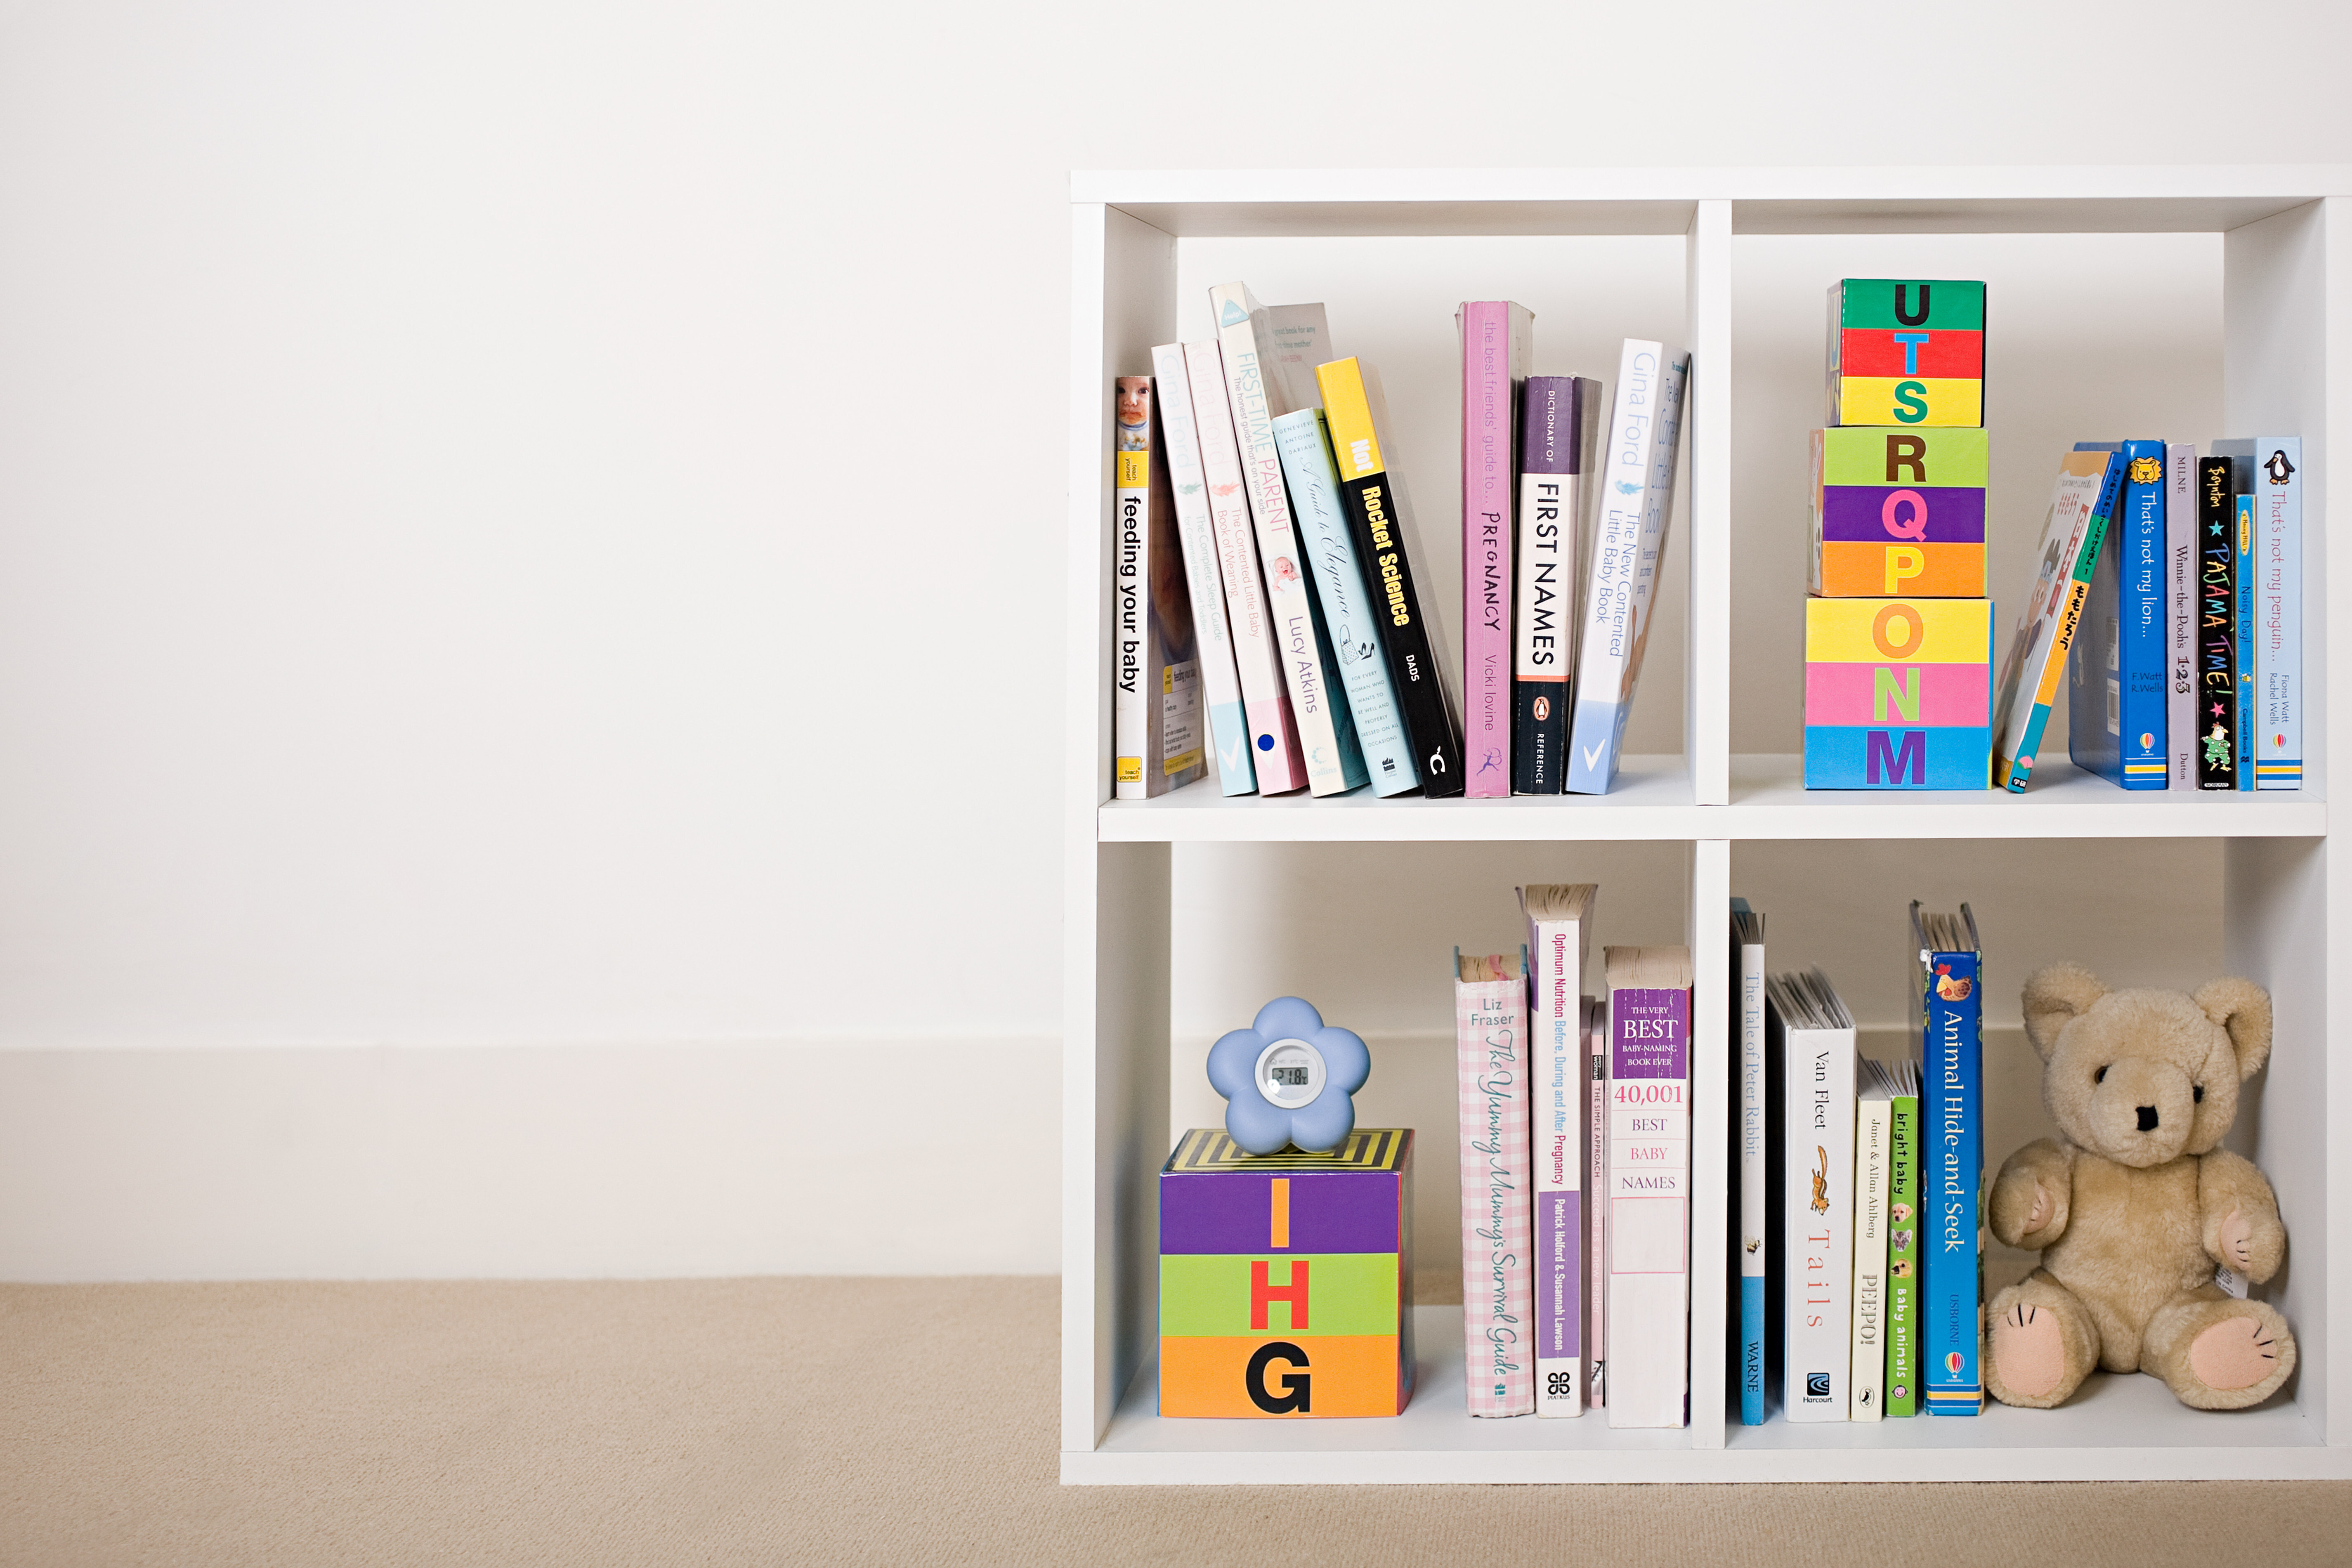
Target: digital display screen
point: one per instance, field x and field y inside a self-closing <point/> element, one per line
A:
<point x="1295" y="1078"/>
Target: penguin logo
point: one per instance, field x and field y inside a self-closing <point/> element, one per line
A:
<point x="2278" y="467"/>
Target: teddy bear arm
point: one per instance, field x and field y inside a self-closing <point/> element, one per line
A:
<point x="2030" y="1197"/>
<point x="2241" y="1227"/>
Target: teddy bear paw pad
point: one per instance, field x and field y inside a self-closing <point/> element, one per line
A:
<point x="2030" y="1350"/>
<point x="2236" y="1353"/>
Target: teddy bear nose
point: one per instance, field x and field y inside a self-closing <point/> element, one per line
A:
<point x="2147" y="1118"/>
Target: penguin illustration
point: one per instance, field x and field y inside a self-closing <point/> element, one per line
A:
<point x="2278" y="467"/>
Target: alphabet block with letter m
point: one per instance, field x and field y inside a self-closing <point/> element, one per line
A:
<point x="1898" y="693"/>
<point x="1286" y="1279"/>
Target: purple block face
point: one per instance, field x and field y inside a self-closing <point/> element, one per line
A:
<point x="1887" y="514"/>
<point x="1648" y="1033"/>
<point x="1224" y="1212"/>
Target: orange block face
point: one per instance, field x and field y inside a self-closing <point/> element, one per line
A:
<point x="1266" y="1376"/>
<point x="1847" y="570"/>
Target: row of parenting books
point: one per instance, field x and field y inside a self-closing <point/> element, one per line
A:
<point x="1860" y="1245"/>
<point x="2168" y="596"/>
<point x="1271" y="599"/>
<point x="1569" y="1304"/>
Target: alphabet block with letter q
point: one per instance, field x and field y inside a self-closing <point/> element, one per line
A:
<point x="1899" y="512"/>
<point x="1898" y="693"/>
<point x="1286" y="1279"/>
<point x="1907" y="352"/>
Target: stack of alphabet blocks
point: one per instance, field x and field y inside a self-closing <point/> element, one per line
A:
<point x="1898" y="628"/>
<point x="1285" y="1281"/>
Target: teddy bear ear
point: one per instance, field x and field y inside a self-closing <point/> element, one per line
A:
<point x="2054" y="997"/>
<point x="2243" y="1009"/>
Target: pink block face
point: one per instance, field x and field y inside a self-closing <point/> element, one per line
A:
<point x="1954" y="694"/>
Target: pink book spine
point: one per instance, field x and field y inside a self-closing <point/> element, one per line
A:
<point x="1486" y="484"/>
<point x="1274" y="733"/>
<point x="1490" y="1017"/>
<point x="1596" y="1143"/>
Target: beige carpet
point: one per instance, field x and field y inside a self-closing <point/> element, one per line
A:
<point x="829" y="1421"/>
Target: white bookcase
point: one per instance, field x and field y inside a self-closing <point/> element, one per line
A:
<point x="2287" y="327"/>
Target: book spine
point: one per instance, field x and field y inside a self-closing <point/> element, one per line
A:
<point x="1903" y="1255"/>
<point x="2216" y="629"/>
<point x="1557" y="1010"/>
<point x="1596" y="1154"/>
<point x="1867" y="1389"/>
<point x="1952" y="1108"/>
<point x="2094" y="671"/>
<point x="1818" y="1162"/>
<point x="1649" y="1202"/>
<point x="2145" y="654"/>
<point x="1637" y="499"/>
<point x="1303" y="439"/>
<point x="1130" y="588"/>
<point x="1327" y="736"/>
<point x="1541" y="646"/>
<point x="1487" y="376"/>
<point x="2181" y="615"/>
<point x="1491" y="1081"/>
<point x="2077" y="588"/>
<point x="2278" y="617"/>
<point x="1196" y="530"/>
<point x="1755" y="1243"/>
<point x="1375" y="525"/>
<point x="2242" y="607"/>
<point x="1274" y="738"/>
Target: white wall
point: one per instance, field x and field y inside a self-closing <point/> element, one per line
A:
<point x="462" y="469"/>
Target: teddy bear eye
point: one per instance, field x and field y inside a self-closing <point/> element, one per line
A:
<point x="2196" y="1095"/>
<point x="2100" y="1076"/>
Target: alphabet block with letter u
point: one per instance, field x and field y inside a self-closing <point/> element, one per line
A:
<point x="1286" y="1279"/>
<point x="1907" y="352"/>
<point x="1898" y="693"/>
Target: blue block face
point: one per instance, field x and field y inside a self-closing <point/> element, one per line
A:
<point x="1840" y="757"/>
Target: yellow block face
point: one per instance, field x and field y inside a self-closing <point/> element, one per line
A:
<point x="1912" y="400"/>
<point x="1911" y="631"/>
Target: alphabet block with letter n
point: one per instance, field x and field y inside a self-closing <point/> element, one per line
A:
<point x="1898" y="693"/>
<point x="1907" y="352"/>
<point x="1286" y="1279"/>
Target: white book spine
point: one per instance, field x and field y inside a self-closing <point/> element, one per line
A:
<point x="2181" y="615"/>
<point x="1272" y="734"/>
<point x="1649" y="1202"/>
<point x="1221" y="687"/>
<point x="1637" y="485"/>
<point x="1596" y="1155"/>
<point x="1818" y="1236"/>
<point x="1561" y="1016"/>
<point x="1325" y="738"/>
<point x="1872" y="1122"/>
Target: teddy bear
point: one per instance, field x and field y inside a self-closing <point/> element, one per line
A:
<point x="2136" y="1204"/>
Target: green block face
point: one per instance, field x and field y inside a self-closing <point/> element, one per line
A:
<point x="1952" y="304"/>
<point x="1215" y="1294"/>
<point x="1877" y="455"/>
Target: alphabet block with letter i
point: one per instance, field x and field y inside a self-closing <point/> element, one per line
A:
<point x="1898" y="693"/>
<point x="1907" y="352"/>
<point x="1899" y="513"/>
<point x="1286" y="1279"/>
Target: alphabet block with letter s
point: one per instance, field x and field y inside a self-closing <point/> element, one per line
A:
<point x="1907" y="352"/>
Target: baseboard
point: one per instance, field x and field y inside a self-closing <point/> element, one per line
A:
<point x="545" y="1161"/>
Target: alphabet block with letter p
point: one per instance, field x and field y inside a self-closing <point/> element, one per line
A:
<point x="1898" y="693"/>
<point x="1899" y="513"/>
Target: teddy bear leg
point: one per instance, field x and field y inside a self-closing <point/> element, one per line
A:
<point x="2217" y="1353"/>
<point x="2044" y="1343"/>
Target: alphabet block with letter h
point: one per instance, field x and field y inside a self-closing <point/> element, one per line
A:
<point x="1898" y="693"/>
<point x="1907" y="352"/>
<point x="1899" y="513"/>
<point x="1286" y="1279"/>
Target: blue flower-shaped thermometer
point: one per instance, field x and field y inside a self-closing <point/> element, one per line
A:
<point x="1288" y="1079"/>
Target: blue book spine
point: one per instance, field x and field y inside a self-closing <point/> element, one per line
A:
<point x="1343" y="605"/>
<point x="2269" y="471"/>
<point x="2116" y="719"/>
<point x="1951" y="1109"/>
<point x="2242" y="602"/>
<point x="1752" y="1350"/>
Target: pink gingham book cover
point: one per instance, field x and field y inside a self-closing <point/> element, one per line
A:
<point x="1490" y="1018"/>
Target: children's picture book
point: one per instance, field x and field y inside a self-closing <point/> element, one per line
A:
<point x="1497" y="340"/>
<point x="1381" y="521"/>
<point x="2269" y="469"/>
<point x="2046" y="621"/>
<point x="1559" y="425"/>
<point x="2120" y="663"/>
<point x="2217" y="626"/>
<point x="1491" y="1075"/>
<point x="1811" y="1037"/>
<point x="1637" y="497"/>
<point x="1155" y="669"/>
<point x="1559" y="928"/>
<point x="1904" y="1153"/>
<point x="1318" y="704"/>
<point x="1752" y="1236"/>
<point x="2181" y="615"/>
<point x="1873" y="1115"/>
<point x="1649" y="1185"/>
<point x="1949" y="1023"/>
<point x="1221" y="685"/>
<point x="2242" y="592"/>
